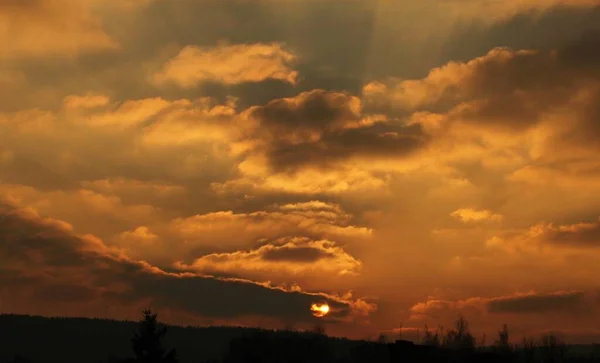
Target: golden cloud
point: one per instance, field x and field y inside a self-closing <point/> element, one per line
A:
<point x="282" y="260"/>
<point x="505" y="87"/>
<point x="543" y="236"/>
<point x="312" y="219"/>
<point x="468" y="215"/>
<point x="88" y="271"/>
<point x="519" y="303"/>
<point x="228" y="64"/>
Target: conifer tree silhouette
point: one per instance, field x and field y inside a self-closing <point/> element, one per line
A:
<point x="146" y="342"/>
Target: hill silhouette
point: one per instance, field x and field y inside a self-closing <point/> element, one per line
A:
<point x="70" y="340"/>
<point x="38" y="339"/>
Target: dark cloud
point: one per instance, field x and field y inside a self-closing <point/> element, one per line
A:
<point x="576" y="235"/>
<point x="318" y="128"/>
<point x="51" y="258"/>
<point x="312" y="111"/>
<point x="515" y="90"/>
<point x="555" y="27"/>
<point x="296" y="254"/>
<point x="506" y="88"/>
<point x="565" y="302"/>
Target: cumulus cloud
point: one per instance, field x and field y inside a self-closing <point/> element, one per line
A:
<point x="151" y="140"/>
<point x="43" y="254"/>
<point x="584" y="235"/>
<point x="321" y="142"/>
<point x="257" y="178"/>
<point x="506" y="88"/>
<point x="469" y="215"/>
<point x="317" y="128"/>
<point x="228" y="64"/>
<point x="568" y="302"/>
<point x="286" y="259"/>
<point x="310" y="219"/>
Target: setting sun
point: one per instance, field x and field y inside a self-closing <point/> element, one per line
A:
<point x="319" y="310"/>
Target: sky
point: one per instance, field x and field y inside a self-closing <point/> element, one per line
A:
<point x="232" y="162"/>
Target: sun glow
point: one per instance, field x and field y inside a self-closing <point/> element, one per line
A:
<point x="319" y="310"/>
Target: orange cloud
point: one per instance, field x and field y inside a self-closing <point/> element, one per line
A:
<point x="527" y="314"/>
<point x="505" y="88"/>
<point x="314" y="219"/>
<point x="128" y="187"/>
<point x="519" y="303"/>
<point x="86" y="271"/>
<point x="228" y="64"/>
<point x="547" y="235"/>
<point x="320" y="128"/>
<point x="103" y="212"/>
<point x="468" y="215"/>
<point x="295" y="256"/>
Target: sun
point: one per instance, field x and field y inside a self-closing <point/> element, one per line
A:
<point x="320" y="309"/>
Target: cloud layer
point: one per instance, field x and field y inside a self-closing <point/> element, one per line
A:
<point x="62" y="268"/>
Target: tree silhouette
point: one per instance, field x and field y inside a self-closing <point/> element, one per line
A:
<point x="146" y="342"/>
<point x="432" y="339"/>
<point x="502" y="344"/>
<point x="460" y="338"/>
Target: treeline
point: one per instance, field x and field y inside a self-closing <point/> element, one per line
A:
<point x="149" y="341"/>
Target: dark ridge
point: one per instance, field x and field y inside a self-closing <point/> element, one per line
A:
<point x="36" y="339"/>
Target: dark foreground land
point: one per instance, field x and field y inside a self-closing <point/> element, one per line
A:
<point x="78" y="340"/>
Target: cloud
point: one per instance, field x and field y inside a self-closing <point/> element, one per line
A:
<point x="37" y="28"/>
<point x="128" y="187"/>
<point x="104" y="214"/>
<point x="287" y="258"/>
<point x="527" y="314"/>
<point x="574" y="235"/>
<point x="228" y="64"/>
<point x="318" y="128"/>
<point x="541" y="236"/>
<point x="538" y="303"/>
<point x="140" y="236"/>
<point x="468" y="215"/>
<point x="568" y="302"/>
<point x="299" y="260"/>
<point x="310" y="219"/>
<point x="505" y="88"/>
<point x="257" y="179"/>
<point x="43" y="254"/>
<point x="492" y="11"/>
<point x="152" y="140"/>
